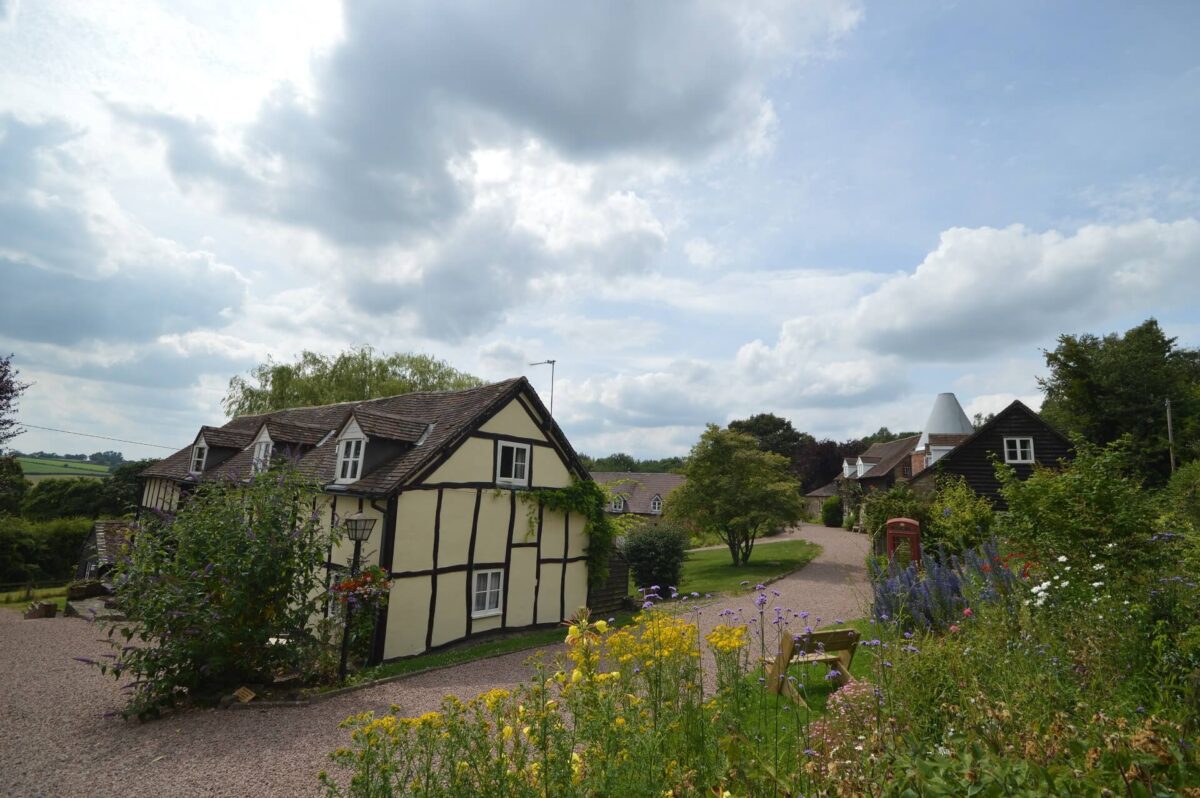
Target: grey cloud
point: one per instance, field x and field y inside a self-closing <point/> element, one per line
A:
<point x="42" y="305"/>
<point x="59" y="283"/>
<point x="415" y="85"/>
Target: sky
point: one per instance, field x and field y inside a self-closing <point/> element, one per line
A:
<point x="828" y="210"/>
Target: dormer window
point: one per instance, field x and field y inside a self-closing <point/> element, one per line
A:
<point x="656" y="504"/>
<point x="199" y="455"/>
<point x="617" y="505"/>
<point x="262" y="456"/>
<point x="512" y="463"/>
<point x="349" y="464"/>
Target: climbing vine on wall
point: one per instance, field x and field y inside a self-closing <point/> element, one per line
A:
<point x="586" y="498"/>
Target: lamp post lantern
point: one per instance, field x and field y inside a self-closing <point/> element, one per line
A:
<point x="358" y="528"/>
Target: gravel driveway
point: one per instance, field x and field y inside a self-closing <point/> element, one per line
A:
<point x="55" y="740"/>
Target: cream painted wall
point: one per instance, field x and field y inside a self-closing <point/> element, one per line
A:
<point x="416" y="514"/>
<point x="458" y="509"/>
<point x="522" y="576"/>
<point x="513" y="420"/>
<point x="576" y="593"/>
<point x="547" y="608"/>
<point x="491" y="539"/>
<point x="408" y="616"/>
<point x="549" y="471"/>
<point x="450" y="615"/>
<point x="472" y="462"/>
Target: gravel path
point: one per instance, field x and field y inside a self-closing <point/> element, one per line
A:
<point x="55" y="740"/>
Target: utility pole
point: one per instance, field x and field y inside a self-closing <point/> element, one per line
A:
<point x="551" y="364"/>
<point x="1170" y="438"/>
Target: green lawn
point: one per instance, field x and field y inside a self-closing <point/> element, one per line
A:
<point x="35" y="467"/>
<point x="711" y="570"/>
<point x="20" y="599"/>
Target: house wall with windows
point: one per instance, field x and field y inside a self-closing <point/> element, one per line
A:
<point x="1016" y="436"/>
<point x="467" y="522"/>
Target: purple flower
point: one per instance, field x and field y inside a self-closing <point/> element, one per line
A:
<point x="647" y="605"/>
<point x="761" y="601"/>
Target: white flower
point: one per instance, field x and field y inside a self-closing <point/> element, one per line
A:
<point x="1062" y="558"/>
<point x="1098" y="566"/>
<point x="1067" y="568"/>
<point x="1063" y="583"/>
<point x="1097" y="584"/>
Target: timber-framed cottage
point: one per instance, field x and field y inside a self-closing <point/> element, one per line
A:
<point x="440" y="473"/>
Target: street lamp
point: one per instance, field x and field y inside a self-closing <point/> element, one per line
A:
<point x="358" y="528"/>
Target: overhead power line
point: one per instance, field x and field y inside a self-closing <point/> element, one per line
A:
<point x="101" y="437"/>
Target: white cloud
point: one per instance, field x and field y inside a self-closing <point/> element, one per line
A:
<point x="701" y="252"/>
<point x="983" y="290"/>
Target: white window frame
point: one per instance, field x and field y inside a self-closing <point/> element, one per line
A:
<point x="262" y="455"/>
<point x="492" y="593"/>
<point x="1017" y="458"/>
<point x="617" y="504"/>
<point x="353" y="459"/>
<point x="521" y="481"/>
<point x="200" y="456"/>
<point x="656" y="504"/>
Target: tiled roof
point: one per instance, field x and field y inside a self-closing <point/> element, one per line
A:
<point x="639" y="488"/>
<point x="392" y="427"/>
<point x="886" y="456"/>
<point x="226" y="438"/>
<point x="283" y="432"/>
<point x="946" y="440"/>
<point x="830" y="489"/>
<point x="448" y="416"/>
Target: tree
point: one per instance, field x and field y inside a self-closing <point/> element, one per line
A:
<point x="619" y="461"/>
<point x="1104" y="388"/>
<point x="357" y="374"/>
<point x="735" y="490"/>
<point x="10" y="390"/>
<point x="81" y="497"/>
<point x="108" y="458"/>
<point x="12" y="486"/>
<point x="821" y="461"/>
<point x="774" y="434"/>
<point x="883" y="435"/>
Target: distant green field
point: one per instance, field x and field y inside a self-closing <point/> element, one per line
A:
<point x="38" y="468"/>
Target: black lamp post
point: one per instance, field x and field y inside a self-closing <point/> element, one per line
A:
<point x="358" y="528"/>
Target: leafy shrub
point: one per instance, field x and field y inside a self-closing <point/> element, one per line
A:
<point x="959" y="518"/>
<point x="831" y="511"/>
<point x="207" y="592"/>
<point x="1091" y="502"/>
<point x="656" y="554"/>
<point x="40" y="551"/>
<point x="897" y="502"/>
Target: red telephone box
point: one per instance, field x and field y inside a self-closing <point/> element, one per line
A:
<point x="904" y="530"/>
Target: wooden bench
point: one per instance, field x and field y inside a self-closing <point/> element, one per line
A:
<point x="833" y="648"/>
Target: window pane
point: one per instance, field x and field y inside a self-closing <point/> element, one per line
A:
<point x="480" y="602"/>
<point x="345" y="469"/>
<point x="506" y="461"/>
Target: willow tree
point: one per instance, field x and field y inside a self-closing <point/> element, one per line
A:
<point x="356" y="374"/>
<point x="736" y="490"/>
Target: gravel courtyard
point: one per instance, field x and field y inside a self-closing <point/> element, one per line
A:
<point x="56" y="740"/>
